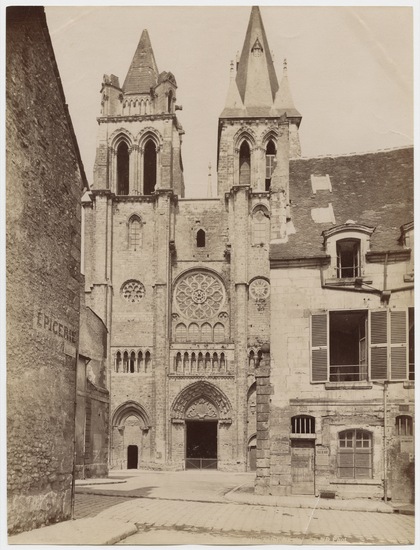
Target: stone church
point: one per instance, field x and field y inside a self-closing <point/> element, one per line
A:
<point x="183" y="284"/>
<point x="194" y="291"/>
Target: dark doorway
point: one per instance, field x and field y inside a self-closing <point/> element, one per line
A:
<point x="132" y="457"/>
<point x="201" y="448"/>
<point x="252" y="458"/>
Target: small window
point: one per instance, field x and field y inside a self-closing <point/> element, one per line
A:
<point x="354" y="455"/>
<point x="348" y="258"/>
<point x="170" y="96"/>
<point x="303" y="424"/>
<point x="244" y="164"/>
<point x="404" y="425"/>
<point x="201" y="238"/>
<point x="134" y="233"/>
<point x="118" y="362"/>
<point x="260" y="226"/>
<point x="270" y="155"/>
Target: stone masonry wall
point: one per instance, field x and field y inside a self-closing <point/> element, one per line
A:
<point x="44" y="184"/>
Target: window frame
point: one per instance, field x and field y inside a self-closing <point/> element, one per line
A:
<point x="354" y="450"/>
<point x="387" y="345"/>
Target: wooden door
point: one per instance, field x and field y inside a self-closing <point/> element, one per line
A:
<point x="303" y="475"/>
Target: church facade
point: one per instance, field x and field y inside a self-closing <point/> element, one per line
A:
<point x="194" y="291"/>
<point x="183" y="284"/>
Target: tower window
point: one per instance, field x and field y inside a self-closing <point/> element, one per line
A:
<point x="270" y="155"/>
<point x="170" y="97"/>
<point x="149" y="173"/>
<point x="201" y="238"/>
<point x="348" y="258"/>
<point x="244" y="164"/>
<point x="134" y="233"/>
<point x="260" y="226"/>
<point x="123" y="159"/>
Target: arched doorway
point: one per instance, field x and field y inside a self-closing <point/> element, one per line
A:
<point x="132" y="457"/>
<point x="130" y="443"/>
<point x="201" y="421"/>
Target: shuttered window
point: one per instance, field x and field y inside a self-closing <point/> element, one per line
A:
<point x="354" y="454"/>
<point x="319" y="346"/>
<point x="339" y="344"/>
<point x="379" y="344"/>
<point x="399" y="348"/>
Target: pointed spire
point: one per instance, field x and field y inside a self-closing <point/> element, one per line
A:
<point x="143" y="73"/>
<point x="284" y="101"/>
<point x="256" y="77"/>
<point x="233" y="105"/>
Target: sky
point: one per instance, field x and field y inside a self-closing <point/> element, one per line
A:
<point x="350" y="71"/>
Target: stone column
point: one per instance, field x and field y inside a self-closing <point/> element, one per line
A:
<point x="161" y="322"/>
<point x="262" y="377"/>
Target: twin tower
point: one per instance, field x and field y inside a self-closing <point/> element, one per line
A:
<point x="183" y="285"/>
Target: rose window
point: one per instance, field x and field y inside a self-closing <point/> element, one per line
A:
<point x="199" y="296"/>
<point x="133" y="291"/>
<point x="259" y="289"/>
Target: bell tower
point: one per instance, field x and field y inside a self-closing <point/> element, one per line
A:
<point x="256" y="112"/>
<point x="139" y="136"/>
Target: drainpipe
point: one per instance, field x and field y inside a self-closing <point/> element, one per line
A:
<point x="385" y="443"/>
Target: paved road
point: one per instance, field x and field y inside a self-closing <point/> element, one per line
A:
<point x="160" y="519"/>
<point x="190" y="508"/>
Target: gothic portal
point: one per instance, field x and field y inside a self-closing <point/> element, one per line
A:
<point x="183" y="285"/>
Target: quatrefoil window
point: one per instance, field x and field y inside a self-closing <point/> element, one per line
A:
<point x="199" y="295"/>
<point x="133" y="291"/>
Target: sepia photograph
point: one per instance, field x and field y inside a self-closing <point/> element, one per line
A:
<point x="209" y="275"/>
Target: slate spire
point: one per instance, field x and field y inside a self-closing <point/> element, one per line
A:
<point x="256" y="78"/>
<point x="143" y="73"/>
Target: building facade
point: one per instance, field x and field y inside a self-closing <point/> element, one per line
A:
<point x="299" y="253"/>
<point x="45" y="179"/>
<point x="182" y="285"/>
<point x="340" y="373"/>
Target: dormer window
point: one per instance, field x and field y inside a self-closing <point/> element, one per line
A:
<point x="347" y="246"/>
<point x="348" y="258"/>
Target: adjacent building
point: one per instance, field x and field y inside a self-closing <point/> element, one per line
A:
<point x="57" y="401"/>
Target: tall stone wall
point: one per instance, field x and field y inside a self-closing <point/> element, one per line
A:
<point x="44" y="184"/>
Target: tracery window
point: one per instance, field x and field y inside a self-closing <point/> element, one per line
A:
<point x="206" y="333"/>
<point x="219" y="332"/>
<point x="199" y="295"/>
<point x="181" y="332"/>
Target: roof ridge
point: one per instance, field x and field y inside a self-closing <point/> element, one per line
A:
<point x="354" y="153"/>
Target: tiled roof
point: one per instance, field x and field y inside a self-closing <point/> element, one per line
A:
<point x="373" y="189"/>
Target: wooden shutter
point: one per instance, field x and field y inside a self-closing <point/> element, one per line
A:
<point x="319" y="347"/>
<point x="378" y="344"/>
<point x="399" y="348"/>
